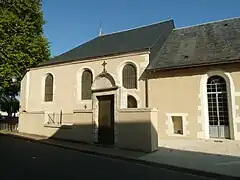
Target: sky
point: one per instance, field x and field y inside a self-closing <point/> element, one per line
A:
<point x="70" y="23"/>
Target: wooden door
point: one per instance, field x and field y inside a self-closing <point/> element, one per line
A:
<point x="106" y="120"/>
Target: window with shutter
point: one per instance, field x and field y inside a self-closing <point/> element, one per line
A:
<point x="131" y="102"/>
<point x="129" y="76"/>
<point x="48" y="88"/>
<point x="87" y="79"/>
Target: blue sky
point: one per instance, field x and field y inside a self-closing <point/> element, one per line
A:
<point x="70" y="23"/>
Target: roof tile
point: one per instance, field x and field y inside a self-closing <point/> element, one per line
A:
<point x="143" y="38"/>
<point x="212" y="43"/>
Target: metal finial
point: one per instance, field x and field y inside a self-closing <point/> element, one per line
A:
<point x="100" y="32"/>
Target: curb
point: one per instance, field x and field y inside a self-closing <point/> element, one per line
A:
<point x="139" y="161"/>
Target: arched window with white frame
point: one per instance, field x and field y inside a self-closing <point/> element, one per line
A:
<point x="131" y="102"/>
<point x="87" y="79"/>
<point x="218" y="107"/>
<point x="48" y="93"/>
<point x="129" y="76"/>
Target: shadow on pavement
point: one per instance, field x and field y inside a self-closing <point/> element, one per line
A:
<point x="134" y="142"/>
<point x="200" y="164"/>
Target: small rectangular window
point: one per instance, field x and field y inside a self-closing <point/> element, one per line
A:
<point x="177" y="125"/>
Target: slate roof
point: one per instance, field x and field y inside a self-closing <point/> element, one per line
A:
<point x="206" y="44"/>
<point x="139" y="39"/>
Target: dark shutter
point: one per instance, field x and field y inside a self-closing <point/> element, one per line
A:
<point x="130" y="77"/>
<point x="132" y="103"/>
<point x="86" y="85"/>
<point x="49" y="88"/>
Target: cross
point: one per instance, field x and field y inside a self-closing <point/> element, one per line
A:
<point x="104" y="66"/>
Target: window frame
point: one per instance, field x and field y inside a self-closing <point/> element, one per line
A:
<point x="218" y="111"/>
<point x="132" y="98"/>
<point x="170" y="128"/>
<point x="231" y="93"/>
<point x="53" y="88"/>
<point x="81" y="85"/>
<point x="124" y="81"/>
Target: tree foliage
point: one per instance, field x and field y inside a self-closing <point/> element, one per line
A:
<point x="22" y="44"/>
<point x="9" y="104"/>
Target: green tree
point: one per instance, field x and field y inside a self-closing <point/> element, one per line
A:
<point x="22" y="44"/>
<point x="9" y="104"/>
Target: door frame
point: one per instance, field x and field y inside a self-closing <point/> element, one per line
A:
<point x="111" y="99"/>
<point x="95" y="94"/>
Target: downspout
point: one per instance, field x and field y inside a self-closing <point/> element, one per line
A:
<point x="147" y="90"/>
<point x="146" y="82"/>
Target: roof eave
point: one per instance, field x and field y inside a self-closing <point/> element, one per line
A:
<point x="192" y="66"/>
<point x="86" y="59"/>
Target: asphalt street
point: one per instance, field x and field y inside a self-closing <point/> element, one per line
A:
<point x="20" y="159"/>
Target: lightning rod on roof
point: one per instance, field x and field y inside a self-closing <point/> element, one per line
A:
<point x="100" y="32"/>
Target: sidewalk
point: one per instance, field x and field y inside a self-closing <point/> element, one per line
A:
<point x="184" y="158"/>
<point x="210" y="146"/>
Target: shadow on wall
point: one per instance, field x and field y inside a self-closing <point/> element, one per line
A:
<point x="132" y="128"/>
<point x="138" y="136"/>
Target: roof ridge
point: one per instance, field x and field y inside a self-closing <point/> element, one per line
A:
<point x="134" y="28"/>
<point x="210" y="22"/>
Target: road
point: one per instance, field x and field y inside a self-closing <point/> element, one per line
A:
<point x="20" y="159"/>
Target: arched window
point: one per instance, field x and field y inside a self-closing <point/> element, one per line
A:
<point x="48" y="88"/>
<point x="218" y="107"/>
<point x="87" y="79"/>
<point x="129" y="76"/>
<point x="131" y="102"/>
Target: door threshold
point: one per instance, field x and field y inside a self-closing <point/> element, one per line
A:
<point x="104" y="145"/>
